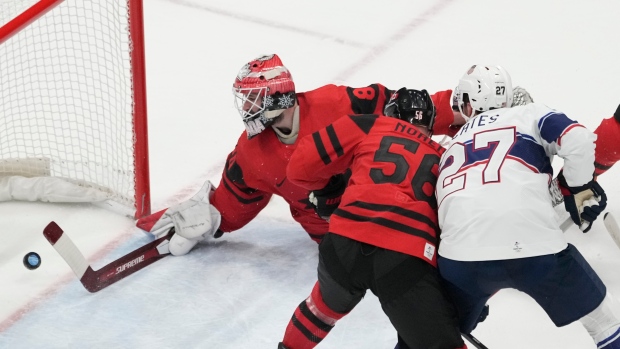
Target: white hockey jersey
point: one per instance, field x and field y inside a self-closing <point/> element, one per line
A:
<point x="492" y="189"/>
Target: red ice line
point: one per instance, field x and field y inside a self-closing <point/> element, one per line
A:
<point x="51" y="290"/>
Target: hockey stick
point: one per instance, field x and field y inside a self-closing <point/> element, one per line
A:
<point x="610" y="222"/>
<point x="612" y="227"/>
<point x="95" y="280"/>
<point x="474" y="341"/>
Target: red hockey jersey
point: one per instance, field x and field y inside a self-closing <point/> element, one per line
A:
<point x="607" y="151"/>
<point x="256" y="168"/>
<point x="389" y="201"/>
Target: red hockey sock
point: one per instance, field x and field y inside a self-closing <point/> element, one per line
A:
<point x="310" y="323"/>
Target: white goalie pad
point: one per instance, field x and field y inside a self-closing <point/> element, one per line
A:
<point x="30" y="180"/>
<point x="47" y="189"/>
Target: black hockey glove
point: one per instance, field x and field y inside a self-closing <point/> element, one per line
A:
<point x="584" y="203"/>
<point x="326" y="200"/>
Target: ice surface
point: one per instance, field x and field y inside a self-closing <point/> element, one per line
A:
<point x="240" y="291"/>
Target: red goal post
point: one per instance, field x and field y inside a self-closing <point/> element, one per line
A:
<point x="73" y="125"/>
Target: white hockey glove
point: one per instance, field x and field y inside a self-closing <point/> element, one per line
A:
<point x="584" y="203"/>
<point x="194" y="220"/>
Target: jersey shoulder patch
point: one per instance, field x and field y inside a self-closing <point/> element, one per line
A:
<point x="364" y="121"/>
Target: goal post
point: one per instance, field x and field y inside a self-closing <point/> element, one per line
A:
<point x="73" y="116"/>
<point x="25" y="18"/>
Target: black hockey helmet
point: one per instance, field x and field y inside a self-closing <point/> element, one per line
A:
<point x="414" y="106"/>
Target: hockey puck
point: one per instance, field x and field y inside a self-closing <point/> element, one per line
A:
<point x="32" y="260"/>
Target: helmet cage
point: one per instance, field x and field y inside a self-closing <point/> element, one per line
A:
<point x="414" y="106"/>
<point x="258" y="109"/>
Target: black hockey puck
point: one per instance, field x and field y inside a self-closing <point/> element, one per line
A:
<point x="32" y="260"/>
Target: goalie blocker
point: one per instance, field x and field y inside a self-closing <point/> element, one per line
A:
<point x="193" y="220"/>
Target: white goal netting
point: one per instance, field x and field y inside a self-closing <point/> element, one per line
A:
<point x="66" y="103"/>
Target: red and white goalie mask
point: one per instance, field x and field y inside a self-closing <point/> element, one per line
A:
<point x="263" y="89"/>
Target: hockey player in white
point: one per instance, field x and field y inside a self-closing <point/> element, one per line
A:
<point x="498" y="226"/>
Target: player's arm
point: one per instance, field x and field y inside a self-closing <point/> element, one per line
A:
<point x="584" y="198"/>
<point x="447" y="119"/>
<point x="607" y="144"/>
<point x="237" y="202"/>
<point x="321" y="161"/>
<point x="368" y="100"/>
<point x="574" y="143"/>
<point x="209" y="213"/>
<point x="326" y="152"/>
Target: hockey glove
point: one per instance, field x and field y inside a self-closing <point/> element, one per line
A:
<point x="326" y="200"/>
<point x="584" y="203"/>
<point x="193" y="220"/>
<point x="520" y="96"/>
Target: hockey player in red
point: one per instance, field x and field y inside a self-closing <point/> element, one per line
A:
<point x="383" y="233"/>
<point x="275" y="117"/>
<point x="607" y="144"/>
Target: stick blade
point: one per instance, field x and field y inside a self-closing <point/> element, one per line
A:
<point x="52" y="232"/>
<point x="95" y="280"/>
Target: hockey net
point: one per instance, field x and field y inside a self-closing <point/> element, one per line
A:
<point x="73" y="103"/>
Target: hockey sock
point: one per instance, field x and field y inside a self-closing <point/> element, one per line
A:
<point x="310" y="323"/>
<point x="603" y="324"/>
<point x="612" y="342"/>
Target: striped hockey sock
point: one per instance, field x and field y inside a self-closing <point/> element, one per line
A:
<point x="310" y="323"/>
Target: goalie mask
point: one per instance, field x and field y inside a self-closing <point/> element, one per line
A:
<point x="415" y="107"/>
<point x="263" y="88"/>
<point x="485" y="88"/>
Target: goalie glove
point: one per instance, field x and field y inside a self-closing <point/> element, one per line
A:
<point x="326" y="200"/>
<point x="520" y="96"/>
<point x="194" y="220"/>
<point x="584" y="203"/>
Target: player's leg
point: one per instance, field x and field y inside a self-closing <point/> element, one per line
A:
<point x="329" y="300"/>
<point x="603" y="325"/>
<point x="411" y="295"/>
<point x="568" y="289"/>
<point x="470" y="285"/>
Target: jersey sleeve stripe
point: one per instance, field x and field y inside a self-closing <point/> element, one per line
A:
<point x="239" y="198"/>
<point x="566" y="130"/>
<point x="397" y="210"/>
<point x="320" y="147"/>
<point x="333" y="137"/>
<point x="599" y="169"/>
<point x="553" y="125"/>
<point x="388" y="223"/>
